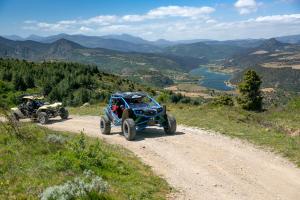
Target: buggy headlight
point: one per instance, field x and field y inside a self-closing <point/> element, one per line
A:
<point x="139" y="112"/>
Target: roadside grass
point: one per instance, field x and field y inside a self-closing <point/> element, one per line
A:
<point x="287" y="118"/>
<point x="93" y="109"/>
<point x="263" y="129"/>
<point x="46" y="158"/>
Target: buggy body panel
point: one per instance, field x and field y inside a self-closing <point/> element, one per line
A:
<point x="144" y="114"/>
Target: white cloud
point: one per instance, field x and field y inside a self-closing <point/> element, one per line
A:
<point x="173" y="22"/>
<point x="85" y="29"/>
<point x="246" y="6"/>
<point x="67" y="22"/>
<point x="171" y="11"/>
<point x="133" y="18"/>
<point x="100" y="20"/>
<point x="279" y="18"/>
<point x="111" y="22"/>
<point x="180" y="11"/>
<point x="211" y="21"/>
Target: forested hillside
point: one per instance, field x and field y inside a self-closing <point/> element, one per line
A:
<point x="130" y="65"/>
<point x="269" y="52"/>
<point x="201" y="50"/>
<point x="285" y="78"/>
<point x="71" y="83"/>
<point x="277" y="63"/>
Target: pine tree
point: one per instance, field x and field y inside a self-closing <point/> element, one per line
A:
<point x="250" y="96"/>
<point x="19" y="83"/>
<point x="29" y="81"/>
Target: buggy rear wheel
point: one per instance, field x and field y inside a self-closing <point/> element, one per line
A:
<point x="128" y="129"/>
<point x="105" y="125"/>
<point x="43" y="118"/>
<point x="14" y="117"/>
<point x="170" y="127"/>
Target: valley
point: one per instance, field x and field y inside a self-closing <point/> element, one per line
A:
<point x="216" y="64"/>
<point x="83" y="79"/>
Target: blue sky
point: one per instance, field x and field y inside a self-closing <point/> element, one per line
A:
<point x="152" y="19"/>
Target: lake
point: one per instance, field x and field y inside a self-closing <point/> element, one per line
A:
<point x="211" y="79"/>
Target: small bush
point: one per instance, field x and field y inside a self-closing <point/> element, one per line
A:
<point x="224" y="100"/>
<point x="163" y="98"/>
<point x="87" y="186"/>
<point x="10" y="125"/>
<point x="175" y="98"/>
<point x="185" y="100"/>
<point x="196" y="103"/>
<point x="55" y="139"/>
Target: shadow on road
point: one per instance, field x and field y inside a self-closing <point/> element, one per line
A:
<point x="153" y="133"/>
<point x="148" y="133"/>
<point x="57" y="120"/>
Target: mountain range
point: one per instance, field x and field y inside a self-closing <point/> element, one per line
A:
<point x="158" y="62"/>
<point x="141" y="66"/>
<point x="293" y="39"/>
<point x="198" y="48"/>
<point x="269" y="51"/>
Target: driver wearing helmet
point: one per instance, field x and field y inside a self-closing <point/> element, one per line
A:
<point x="118" y="108"/>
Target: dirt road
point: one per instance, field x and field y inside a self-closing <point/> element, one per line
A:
<point x="203" y="165"/>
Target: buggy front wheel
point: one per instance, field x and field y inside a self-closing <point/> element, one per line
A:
<point x="43" y="117"/>
<point x="128" y="128"/>
<point x="170" y="127"/>
<point x="105" y="125"/>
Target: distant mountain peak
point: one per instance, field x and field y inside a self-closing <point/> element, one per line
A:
<point x="34" y="38"/>
<point x="66" y="43"/>
<point x="126" y="37"/>
<point x="13" y="37"/>
<point x="271" y="45"/>
<point x="272" y="41"/>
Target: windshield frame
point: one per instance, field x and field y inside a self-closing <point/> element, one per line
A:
<point x="143" y="103"/>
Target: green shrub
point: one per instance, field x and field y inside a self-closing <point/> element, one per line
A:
<point x="56" y="139"/>
<point x="294" y="104"/>
<point x="163" y="98"/>
<point x="224" y="100"/>
<point x="88" y="186"/>
<point x="185" y="100"/>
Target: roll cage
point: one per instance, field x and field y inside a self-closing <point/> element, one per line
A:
<point x="124" y="102"/>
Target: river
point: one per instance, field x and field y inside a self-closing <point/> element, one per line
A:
<point x="211" y="79"/>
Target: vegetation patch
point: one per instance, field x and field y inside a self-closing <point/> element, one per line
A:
<point x="88" y="186"/>
<point x="49" y="163"/>
<point x="71" y="83"/>
<point x="276" y="129"/>
<point x="93" y="109"/>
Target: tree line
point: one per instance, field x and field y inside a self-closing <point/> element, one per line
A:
<point x="70" y="83"/>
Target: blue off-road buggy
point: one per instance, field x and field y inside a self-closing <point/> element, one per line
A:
<point x="134" y="111"/>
